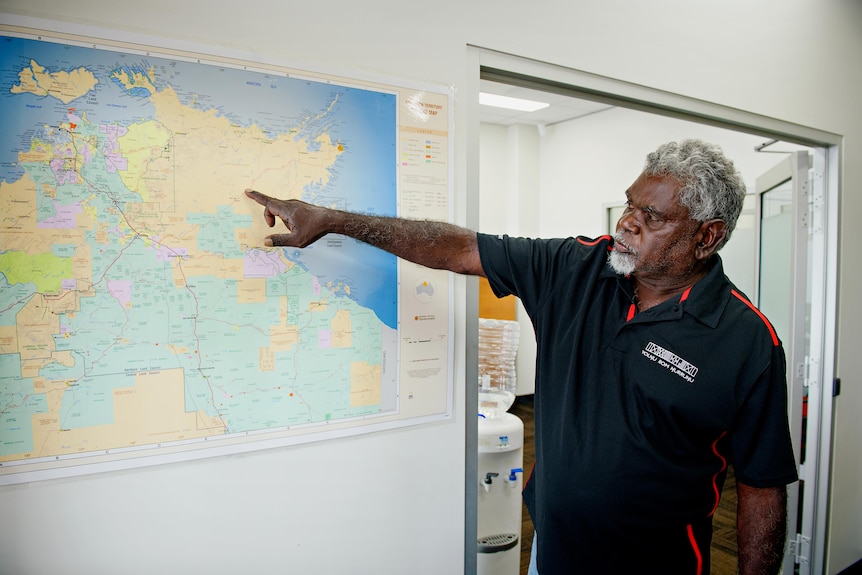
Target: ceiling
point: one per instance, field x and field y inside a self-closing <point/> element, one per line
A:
<point x="561" y="109"/>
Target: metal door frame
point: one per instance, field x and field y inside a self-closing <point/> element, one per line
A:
<point x="808" y="374"/>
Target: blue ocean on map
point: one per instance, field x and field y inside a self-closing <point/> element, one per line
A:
<point x="363" y="178"/>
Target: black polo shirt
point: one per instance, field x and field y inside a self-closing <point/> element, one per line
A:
<point x="639" y="413"/>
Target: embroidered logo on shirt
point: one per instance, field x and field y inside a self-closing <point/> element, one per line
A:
<point x="670" y="361"/>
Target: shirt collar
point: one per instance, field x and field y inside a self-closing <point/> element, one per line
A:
<point x="710" y="295"/>
<point x="706" y="300"/>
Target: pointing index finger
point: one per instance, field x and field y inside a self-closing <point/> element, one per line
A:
<point x="262" y="199"/>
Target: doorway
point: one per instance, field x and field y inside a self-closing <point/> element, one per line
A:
<point x="615" y="109"/>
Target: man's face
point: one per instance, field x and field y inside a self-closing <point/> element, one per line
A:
<point x="655" y="237"/>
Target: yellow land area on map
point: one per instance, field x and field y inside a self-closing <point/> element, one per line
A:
<point x="364" y="384"/>
<point x="63" y="85"/>
<point x="134" y="79"/>
<point x="150" y="410"/>
<point x="218" y="160"/>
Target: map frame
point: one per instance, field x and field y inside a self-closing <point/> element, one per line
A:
<point x="425" y="347"/>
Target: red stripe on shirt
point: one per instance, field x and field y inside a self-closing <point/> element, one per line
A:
<point x="530" y="476"/>
<point x="596" y="241"/>
<point x="717" y="473"/>
<point x="685" y="294"/>
<point x="741" y="298"/>
<point x="696" y="549"/>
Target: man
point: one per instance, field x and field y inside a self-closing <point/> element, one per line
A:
<point x="652" y="373"/>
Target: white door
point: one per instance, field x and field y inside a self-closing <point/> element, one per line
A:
<point x="791" y="292"/>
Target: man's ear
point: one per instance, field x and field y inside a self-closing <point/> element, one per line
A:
<point x="709" y="236"/>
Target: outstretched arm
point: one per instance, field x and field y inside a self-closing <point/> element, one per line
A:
<point x="761" y="528"/>
<point x="432" y="244"/>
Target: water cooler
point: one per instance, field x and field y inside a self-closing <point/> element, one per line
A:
<point x="501" y="452"/>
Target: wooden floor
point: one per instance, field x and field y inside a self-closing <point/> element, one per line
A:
<point x="723" y="552"/>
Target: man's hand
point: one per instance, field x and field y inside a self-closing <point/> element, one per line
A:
<point x="305" y="223"/>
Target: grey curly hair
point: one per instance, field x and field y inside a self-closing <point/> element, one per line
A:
<point x="712" y="188"/>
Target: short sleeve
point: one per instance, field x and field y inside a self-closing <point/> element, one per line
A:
<point x="761" y="444"/>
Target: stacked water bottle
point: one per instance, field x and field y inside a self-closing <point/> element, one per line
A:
<point x="498" y="345"/>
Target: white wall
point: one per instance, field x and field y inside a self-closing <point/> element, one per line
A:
<point x="795" y="60"/>
<point x="361" y="505"/>
<point x="509" y="192"/>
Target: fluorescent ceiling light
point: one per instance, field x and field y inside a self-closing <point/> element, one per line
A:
<point x="510" y="103"/>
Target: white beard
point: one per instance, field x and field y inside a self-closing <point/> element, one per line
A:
<point x="623" y="264"/>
